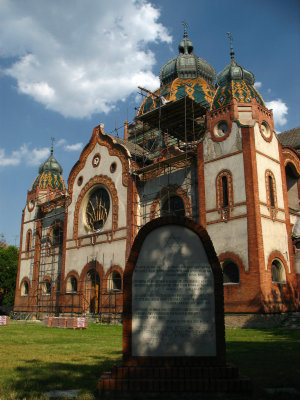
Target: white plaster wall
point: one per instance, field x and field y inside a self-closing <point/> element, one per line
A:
<point x="25" y="270"/>
<point x="274" y="238"/>
<point x="88" y="172"/>
<point x="231" y="236"/>
<point x="230" y="145"/>
<point x="235" y="164"/>
<point x="107" y="254"/>
<point x="269" y="148"/>
<point x="263" y="164"/>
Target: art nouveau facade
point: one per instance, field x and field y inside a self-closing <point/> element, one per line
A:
<point x="203" y="151"/>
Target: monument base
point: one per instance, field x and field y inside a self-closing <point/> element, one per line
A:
<point x="165" y="379"/>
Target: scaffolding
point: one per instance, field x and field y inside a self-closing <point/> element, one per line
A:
<point x="166" y="170"/>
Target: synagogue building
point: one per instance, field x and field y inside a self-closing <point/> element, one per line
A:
<point x="201" y="146"/>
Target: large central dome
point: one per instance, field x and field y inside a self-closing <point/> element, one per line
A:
<point x="186" y="65"/>
<point x="185" y="75"/>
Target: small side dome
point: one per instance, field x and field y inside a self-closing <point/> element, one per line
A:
<point x="235" y="82"/>
<point x="234" y="72"/>
<point x="50" y="175"/>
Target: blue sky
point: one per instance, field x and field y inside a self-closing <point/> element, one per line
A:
<point x="66" y="66"/>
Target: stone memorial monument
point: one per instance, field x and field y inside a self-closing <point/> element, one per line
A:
<point x="173" y="322"/>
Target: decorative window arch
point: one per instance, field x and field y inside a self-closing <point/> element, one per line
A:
<point x="231" y="273"/>
<point x="292" y="178"/>
<point x="98" y="180"/>
<point x="172" y="204"/>
<point x="271" y="193"/>
<point x="28" y="242"/>
<point x="167" y="193"/>
<point x="224" y="193"/>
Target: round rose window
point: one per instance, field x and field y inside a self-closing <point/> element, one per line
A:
<point x="97" y="209"/>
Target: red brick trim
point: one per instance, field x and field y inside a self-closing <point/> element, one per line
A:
<point x="266" y="138"/>
<point x="174" y="190"/>
<point x="218" y="281"/>
<point x="227" y="220"/>
<point x="289" y="157"/>
<point x="114" y="149"/>
<point x="96" y="160"/>
<point x="71" y="273"/>
<point x="201" y="185"/>
<point x="269" y="157"/>
<point x="228" y="255"/>
<point x="110" y="186"/>
<point x="255" y="239"/>
<point x="110" y="270"/>
<point x="273" y="209"/>
<point x="224" y="156"/>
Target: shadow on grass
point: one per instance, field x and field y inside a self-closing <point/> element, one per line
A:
<point x="37" y="377"/>
<point x="270" y="360"/>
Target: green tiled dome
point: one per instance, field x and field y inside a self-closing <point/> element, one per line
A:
<point x="197" y="89"/>
<point x="50" y="175"/>
<point x="235" y="82"/>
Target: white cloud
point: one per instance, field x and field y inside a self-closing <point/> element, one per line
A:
<point x="280" y="111"/>
<point x="80" y="59"/>
<point x="24" y="155"/>
<point x="74" y="147"/>
<point x="257" y="85"/>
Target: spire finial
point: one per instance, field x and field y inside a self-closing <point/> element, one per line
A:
<point x="185" y="25"/>
<point x="231" y="47"/>
<point x="52" y="140"/>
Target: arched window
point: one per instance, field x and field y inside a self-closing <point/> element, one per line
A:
<point x="71" y="284"/>
<point x="28" y="241"/>
<point x="231" y="272"/>
<point x="173" y="205"/>
<point x="97" y="209"/>
<point x="114" y="282"/>
<point x="24" y="288"/>
<point x="271" y="193"/>
<point x="292" y="186"/>
<point x="224" y="193"/>
<point x="278" y="272"/>
<point x="46" y="287"/>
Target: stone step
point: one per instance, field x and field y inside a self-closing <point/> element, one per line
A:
<point x="237" y="385"/>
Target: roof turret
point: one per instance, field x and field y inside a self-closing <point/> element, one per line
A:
<point x="50" y="174"/>
<point x="187" y="64"/>
<point x="236" y="82"/>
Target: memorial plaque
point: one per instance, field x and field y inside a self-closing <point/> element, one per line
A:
<point x="173" y="308"/>
<point x="173" y="319"/>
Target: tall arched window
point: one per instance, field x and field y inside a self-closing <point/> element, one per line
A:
<point x="71" y="284"/>
<point x="224" y="193"/>
<point x="28" y="242"/>
<point x="271" y="193"/>
<point x="114" y="282"/>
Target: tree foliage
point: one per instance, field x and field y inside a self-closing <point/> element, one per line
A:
<point x="8" y="274"/>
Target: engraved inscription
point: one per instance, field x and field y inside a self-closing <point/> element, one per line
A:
<point x="173" y="310"/>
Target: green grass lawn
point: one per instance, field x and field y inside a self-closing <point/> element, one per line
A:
<point x="35" y="359"/>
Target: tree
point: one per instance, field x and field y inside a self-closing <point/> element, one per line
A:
<point x="8" y="274"/>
